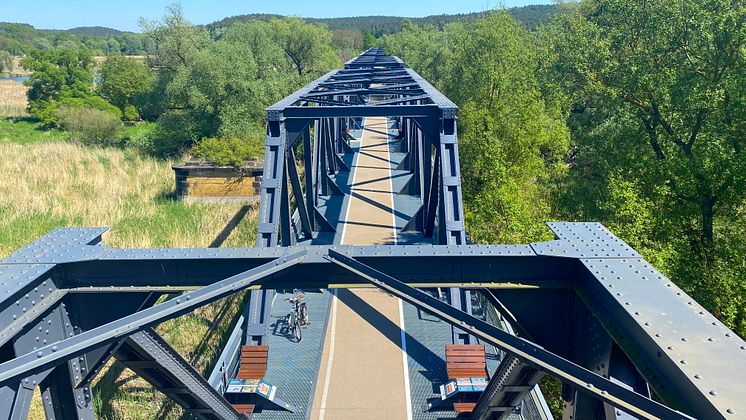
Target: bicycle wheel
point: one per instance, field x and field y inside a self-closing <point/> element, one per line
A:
<point x="305" y="320"/>
<point x="296" y="331"/>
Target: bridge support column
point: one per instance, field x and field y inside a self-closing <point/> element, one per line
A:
<point x="598" y="353"/>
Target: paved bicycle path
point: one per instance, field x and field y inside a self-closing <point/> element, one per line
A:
<point x="362" y="374"/>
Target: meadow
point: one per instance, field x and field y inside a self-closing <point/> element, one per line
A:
<point x="12" y="99"/>
<point x="48" y="182"/>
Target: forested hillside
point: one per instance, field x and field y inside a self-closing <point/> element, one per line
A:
<point x="531" y="16"/>
<point x="20" y="38"/>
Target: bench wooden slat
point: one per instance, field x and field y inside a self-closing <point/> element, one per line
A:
<point x="464" y="347"/>
<point x="466" y="361"/>
<point x="253" y="362"/>
<point x="464" y="407"/>
<point x="473" y="360"/>
<point x="255" y="348"/>
<point x="244" y="408"/>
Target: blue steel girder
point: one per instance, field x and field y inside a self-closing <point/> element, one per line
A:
<point x="650" y="316"/>
<point x="590" y="382"/>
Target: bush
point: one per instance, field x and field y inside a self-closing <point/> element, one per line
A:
<point x="174" y="133"/>
<point x="89" y="125"/>
<point x="47" y="111"/>
<point x="228" y="152"/>
<point x="138" y="136"/>
<point x="130" y="113"/>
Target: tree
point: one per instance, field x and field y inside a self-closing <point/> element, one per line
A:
<point x="125" y="83"/>
<point x="657" y="99"/>
<point x="173" y="42"/>
<point x="208" y="92"/>
<point x="61" y="77"/>
<point x="307" y="46"/>
<point x="511" y="144"/>
<point x="348" y="41"/>
<point x="424" y="48"/>
<point x="6" y="62"/>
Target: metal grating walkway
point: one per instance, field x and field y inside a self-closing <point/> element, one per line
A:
<point x="292" y="366"/>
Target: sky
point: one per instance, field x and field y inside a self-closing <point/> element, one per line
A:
<point x="124" y="14"/>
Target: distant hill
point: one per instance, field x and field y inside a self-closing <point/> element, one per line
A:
<point x="19" y="38"/>
<point x="94" y="31"/>
<point x="530" y="16"/>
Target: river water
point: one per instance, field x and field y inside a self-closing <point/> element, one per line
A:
<point x="18" y="79"/>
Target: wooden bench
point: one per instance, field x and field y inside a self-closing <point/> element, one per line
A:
<point x="462" y="407"/>
<point x="466" y="361"/>
<point x="253" y="362"/>
<point x="244" y="408"/>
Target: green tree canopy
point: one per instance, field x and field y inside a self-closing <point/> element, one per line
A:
<point x="511" y="144"/>
<point x="61" y="77"/>
<point x="656" y="97"/>
<point x="125" y="83"/>
<point x="308" y="47"/>
<point x="224" y="86"/>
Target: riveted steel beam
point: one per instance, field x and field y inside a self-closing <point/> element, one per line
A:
<point x="56" y="353"/>
<point x="525" y="350"/>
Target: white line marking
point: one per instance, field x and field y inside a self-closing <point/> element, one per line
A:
<point x="405" y="361"/>
<point x="352" y="186"/>
<point x="328" y="375"/>
<point x="405" y="357"/>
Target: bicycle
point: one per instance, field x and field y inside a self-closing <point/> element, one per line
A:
<point x="297" y="317"/>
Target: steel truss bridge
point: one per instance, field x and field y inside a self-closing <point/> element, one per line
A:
<point x="359" y="160"/>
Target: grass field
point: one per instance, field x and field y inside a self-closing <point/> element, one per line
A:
<point x="48" y="182"/>
<point x="12" y="99"/>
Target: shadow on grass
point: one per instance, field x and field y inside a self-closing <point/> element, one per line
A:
<point x="199" y="352"/>
<point x="167" y="194"/>
<point x="204" y="354"/>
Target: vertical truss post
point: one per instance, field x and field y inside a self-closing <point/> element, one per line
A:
<point x="594" y="349"/>
<point x="426" y="169"/>
<point x="309" y="164"/>
<point x="60" y="398"/>
<point x="328" y="123"/>
<point x="415" y="167"/>
<point x="461" y="299"/>
<point x="431" y="204"/>
<point x="16" y="401"/>
<point x="258" y="316"/>
<point x="272" y="185"/>
<point x="300" y="200"/>
<point x="451" y="207"/>
<point x="318" y="138"/>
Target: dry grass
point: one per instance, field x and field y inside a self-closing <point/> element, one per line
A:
<point x="13" y="99"/>
<point x="61" y="184"/>
<point x="49" y="184"/>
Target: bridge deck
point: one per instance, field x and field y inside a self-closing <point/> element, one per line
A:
<point x="363" y="367"/>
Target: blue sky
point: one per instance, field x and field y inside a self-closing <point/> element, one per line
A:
<point x="123" y="14"/>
